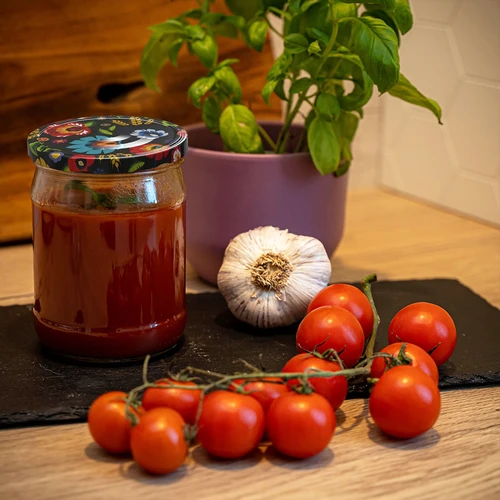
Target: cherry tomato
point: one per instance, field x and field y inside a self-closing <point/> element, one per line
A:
<point x="184" y="401"/>
<point x="231" y="425"/>
<point x="300" y="425"/>
<point x="333" y="389"/>
<point x="419" y="359"/>
<point x="108" y="424"/>
<point x="347" y="297"/>
<point x="333" y="328"/>
<point x="426" y="325"/>
<point x="157" y="442"/>
<point x="405" y="402"/>
<point x="265" y="391"/>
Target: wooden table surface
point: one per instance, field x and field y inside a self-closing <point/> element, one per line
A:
<point x="459" y="458"/>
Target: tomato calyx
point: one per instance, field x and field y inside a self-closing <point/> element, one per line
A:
<point x="190" y="432"/>
<point x="329" y="355"/>
<point x="304" y="386"/>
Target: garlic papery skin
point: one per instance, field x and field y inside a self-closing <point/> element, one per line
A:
<point x="269" y="276"/>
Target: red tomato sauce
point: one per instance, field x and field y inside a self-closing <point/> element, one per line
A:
<point x="109" y="285"/>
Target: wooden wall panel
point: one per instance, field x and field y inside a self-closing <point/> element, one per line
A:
<point x="56" y="54"/>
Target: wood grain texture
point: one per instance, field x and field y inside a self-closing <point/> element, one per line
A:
<point x="55" y="55"/>
<point x="458" y="459"/>
<point x="387" y="234"/>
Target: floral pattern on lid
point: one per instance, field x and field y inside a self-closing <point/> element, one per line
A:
<point x="107" y="144"/>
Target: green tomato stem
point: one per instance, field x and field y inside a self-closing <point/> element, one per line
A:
<point x="367" y="290"/>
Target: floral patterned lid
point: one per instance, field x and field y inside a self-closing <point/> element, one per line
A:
<point x="107" y="144"/>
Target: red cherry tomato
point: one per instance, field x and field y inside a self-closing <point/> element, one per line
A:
<point x="405" y="402"/>
<point x="333" y="389"/>
<point x="265" y="391"/>
<point x="300" y="425"/>
<point x="347" y="297"/>
<point x="231" y="425"/>
<point x="108" y="424"/>
<point x="331" y="327"/>
<point x="426" y="325"/>
<point x="184" y="401"/>
<point x="157" y="442"/>
<point x="419" y="359"/>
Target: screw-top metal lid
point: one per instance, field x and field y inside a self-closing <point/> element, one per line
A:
<point x="107" y="144"/>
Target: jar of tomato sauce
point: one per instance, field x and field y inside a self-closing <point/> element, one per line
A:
<point x="109" y="236"/>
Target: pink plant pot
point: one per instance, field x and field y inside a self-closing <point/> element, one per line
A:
<point x="230" y="193"/>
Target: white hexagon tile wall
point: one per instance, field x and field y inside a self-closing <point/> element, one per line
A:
<point x="453" y="55"/>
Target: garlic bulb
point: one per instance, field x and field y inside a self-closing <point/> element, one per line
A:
<point x="269" y="277"/>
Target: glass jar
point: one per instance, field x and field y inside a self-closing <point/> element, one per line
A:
<point x="109" y="236"/>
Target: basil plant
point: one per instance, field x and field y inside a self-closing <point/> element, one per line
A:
<point x="335" y="53"/>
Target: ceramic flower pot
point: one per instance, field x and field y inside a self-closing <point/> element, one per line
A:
<point x="229" y="193"/>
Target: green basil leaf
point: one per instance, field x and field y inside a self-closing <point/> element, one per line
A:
<point x="324" y="145"/>
<point x="199" y="88"/>
<point x="195" y="32"/>
<point x="247" y="8"/>
<point x="226" y="62"/>
<point x="174" y="49"/>
<point x="280" y="90"/>
<point x="225" y="28"/>
<point x="268" y="90"/>
<point x="327" y="106"/>
<point x="206" y="50"/>
<point x="362" y="92"/>
<point x="318" y="35"/>
<point x="307" y="4"/>
<point x="376" y="44"/>
<point x="210" y="112"/>
<point x="388" y="19"/>
<point x="341" y="9"/>
<point x="318" y="16"/>
<point x="191" y="14"/>
<point x="294" y="5"/>
<point x="346" y="128"/>
<point x="257" y="33"/>
<point x="314" y="48"/>
<point x="238" y="129"/>
<point x="406" y="91"/>
<point x="154" y="55"/>
<point x="403" y="16"/>
<point x="237" y="21"/>
<point x="212" y="18"/>
<point x="342" y="68"/>
<point x="300" y="85"/>
<point x="229" y="83"/>
<point x="170" y="27"/>
<point x="296" y="43"/>
<point x="280" y="67"/>
<point x="348" y="125"/>
<point x="292" y="24"/>
<point x="343" y="168"/>
<point x="386" y="4"/>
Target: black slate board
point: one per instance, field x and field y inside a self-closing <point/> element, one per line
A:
<point x="37" y="389"/>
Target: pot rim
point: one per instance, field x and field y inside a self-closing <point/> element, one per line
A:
<point x="209" y="152"/>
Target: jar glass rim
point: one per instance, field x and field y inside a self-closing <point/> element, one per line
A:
<point x="109" y="177"/>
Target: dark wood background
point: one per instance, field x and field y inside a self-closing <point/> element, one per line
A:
<point x="55" y="58"/>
